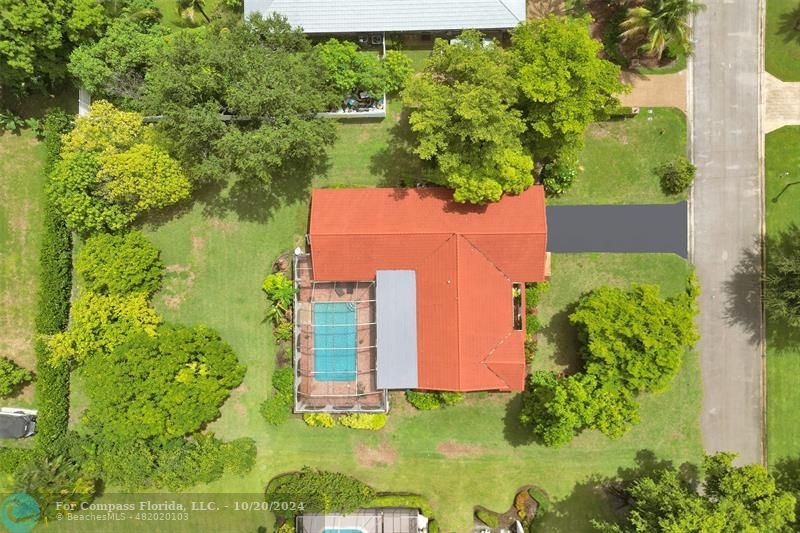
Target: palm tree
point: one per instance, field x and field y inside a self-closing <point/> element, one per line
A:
<point x="664" y="23"/>
<point x="189" y="7"/>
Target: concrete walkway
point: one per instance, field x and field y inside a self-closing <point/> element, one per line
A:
<point x="660" y="228"/>
<point x="726" y="146"/>
<point x="783" y="103"/>
<point x="662" y="90"/>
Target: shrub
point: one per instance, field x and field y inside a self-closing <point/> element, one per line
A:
<point x="557" y="177"/>
<point x="324" y="420"/>
<point x="320" y="491"/>
<point x="280" y="295"/>
<point x="277" y="408"/>
<point x="534" y="292"/>
<point x="55" y="278"/>
<point x="55" y="124"/>
<point x="433" y="526"/>
<point x="12" y="459"/>
<point x="372" y="421"/>
<point x="283" y="331"/>
<point x="120" y="264"/>
<point x="52" y="315"/>
<point x="448" y="398"/>
<point x="283" y="382"/>
<point x="424" y="401"/>
<point x="238" y="456"/>
<point x="676" y="175"/>
<point x="286" y="527"/>
<point x="428" y="401"/>
<point x="541" y="498"/>
<point x="487" y="517"/>
<point x="12" y="376"/>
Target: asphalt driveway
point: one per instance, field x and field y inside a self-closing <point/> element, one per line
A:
<point x="618" y="228"/>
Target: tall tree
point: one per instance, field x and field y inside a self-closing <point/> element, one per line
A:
<point x="263" y="75"/>
<point x="733" y="499"/>
<point x="662" y="24"/>
<point x="36" y="37"/>
<point x="564" y="84"/>
<point x="462" y="113"/>
<point x="115" y="65"/>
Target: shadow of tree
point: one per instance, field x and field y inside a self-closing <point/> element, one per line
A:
<point x="783" y="248"/>
<point x="787" y="477"/>
<point x="743" y="294"/>
<point x="564" y="337"/>
<point x="789" y="25"/>
<point x="251" y="200"/>
<point x="515" y="433"/>
<point x="396" y="163"/>
<point x="605" y="499"/>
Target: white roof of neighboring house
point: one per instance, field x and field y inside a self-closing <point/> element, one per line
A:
<point x="356" y="16"/>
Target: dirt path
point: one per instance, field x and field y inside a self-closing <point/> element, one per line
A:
<point x="662" y="90"/>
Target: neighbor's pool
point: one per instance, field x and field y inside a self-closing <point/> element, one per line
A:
<point x="335" y="347"/>
<point x="336" y="530"/>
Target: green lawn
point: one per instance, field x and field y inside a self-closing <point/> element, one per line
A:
<point x="617" y="165"/>
<point x="217" y="254"/>
<point x="782" y="39"/>
<point x="783" y="345"/>
<point x="21" y="201"/>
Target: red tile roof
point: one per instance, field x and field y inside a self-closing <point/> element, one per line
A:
<point x="465" y="259"/>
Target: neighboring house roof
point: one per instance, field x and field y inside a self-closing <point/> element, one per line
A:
<point x="361" y="16"/>
<point x="465" y="258"/>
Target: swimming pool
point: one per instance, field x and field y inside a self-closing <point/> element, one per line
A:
<point x="335" y="341"/>
<point x="337" y="530"/>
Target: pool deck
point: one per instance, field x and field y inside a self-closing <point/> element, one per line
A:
<point x="342" y="396"/>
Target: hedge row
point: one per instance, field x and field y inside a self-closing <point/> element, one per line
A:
<point x="52" y="314"/>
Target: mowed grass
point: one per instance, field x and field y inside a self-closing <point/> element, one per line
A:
<point x="618" y="162"/>
<point x="21" y="204"/>
<point x="782" y="39"/>
<point x="783" y="343"/>
<point x="474" y="453"/>
<point x="470" y="454"/>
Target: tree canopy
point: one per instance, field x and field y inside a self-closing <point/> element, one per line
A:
<point x="635" y="339"/>
<point x="631" y="342"/>
<point x="351" y="70"/>
<point x="320" y="491"/>
<point x="481" y="114"/>
<point x="662" y="24"/>
<point x="115" y="65"/>
<point x="564" y="84"/>
<point x="36" y="37"/>
<point x="462" y="113"/>
<point x="264" y="75"/>
<point x="733" y="498"/>
<point x="161" y="386"/>
<point x="120" y="264"/>
<point x="109" y="173"/>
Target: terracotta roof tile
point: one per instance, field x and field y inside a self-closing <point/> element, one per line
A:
<point x="466" y="259"/>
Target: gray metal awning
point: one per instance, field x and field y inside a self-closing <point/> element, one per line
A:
<point x="396" y="318"/>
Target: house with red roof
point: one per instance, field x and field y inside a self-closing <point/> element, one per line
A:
<point x="407" y="289"/>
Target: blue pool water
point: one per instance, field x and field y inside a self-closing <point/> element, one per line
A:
<point x="335" y="342"/>
<point x="336" y="530"/>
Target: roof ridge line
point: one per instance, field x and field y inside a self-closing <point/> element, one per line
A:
<point x="486" y="257"/>
<point x="458" y="311"/>
<point x="503" y="3"/>
<point x="489" y="354"/>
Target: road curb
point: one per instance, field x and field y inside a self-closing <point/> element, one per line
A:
<point x="762" y="5"/>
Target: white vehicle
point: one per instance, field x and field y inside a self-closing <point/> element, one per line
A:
<point x="17" y="423"/>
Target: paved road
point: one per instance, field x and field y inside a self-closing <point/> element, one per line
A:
<point x="727" y="214"/>
<point x="617" y="228"/>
